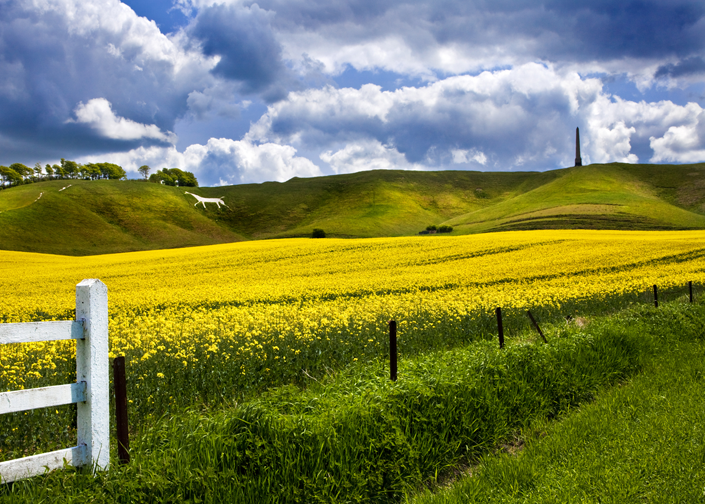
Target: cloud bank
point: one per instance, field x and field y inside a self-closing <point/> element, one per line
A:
<point x="247" y="92"/>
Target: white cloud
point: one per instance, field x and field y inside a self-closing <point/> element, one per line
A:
<point x="680" y="144"/>
<point x="221" y="161"/>
<point x="507" y="116"/>
<point x="240" y="161"/>
<point x="113" y="27"/>
<point x="520" y="117"/>
<point x="64" y="54"/>
<point x="98" y="114"/>
<point x="367" y="155"/>
<point x="671" y="129"/>
<point x="612" y="144"/>
<point x="461" y="156"/>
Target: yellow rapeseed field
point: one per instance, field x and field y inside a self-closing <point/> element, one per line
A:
<point x="206" y="323"/>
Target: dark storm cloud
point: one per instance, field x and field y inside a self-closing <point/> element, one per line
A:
<point x="557" y="31"/>
<point x="244" y="40"/>
<point x="603" y="29"/>
<point x="688" y="66"/>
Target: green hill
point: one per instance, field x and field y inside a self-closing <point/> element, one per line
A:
<point x="614" y="196"/>
<point x="102" y="216"/>
<point x="105" y="216"/>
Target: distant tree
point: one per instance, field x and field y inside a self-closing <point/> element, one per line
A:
<point x="70" y="168"/>
<point x="107" y="171"/>
<point x="9" y="175"/>
<point x="162" y="178"/>
<point x="144" y="170"/>
<point x="22" y="170"/>
<point x="115" y="172"/>
<point x="49" y="170"/>
<point x="182" y="178"/>
<point x="445" y="229"/>
<point x="430" y="228"/>
<point x="59" y="171"/>
<point x="318" y="233"/>
<point x="38" y="170"/>
<point x="92" y="171"/>
<point x="174" y="177"/>
<point x="95" y="171"/>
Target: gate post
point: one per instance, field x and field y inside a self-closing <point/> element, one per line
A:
<point x="92" y="368"/>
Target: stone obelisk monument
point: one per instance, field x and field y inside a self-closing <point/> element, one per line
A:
<point x="578" y="159"/>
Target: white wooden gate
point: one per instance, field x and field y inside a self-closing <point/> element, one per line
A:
<point x="90" y="330"/>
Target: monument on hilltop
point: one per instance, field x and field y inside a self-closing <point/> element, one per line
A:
<point x="578" y="159"/>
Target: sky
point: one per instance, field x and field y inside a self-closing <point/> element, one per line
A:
<point x="241" y="92"/>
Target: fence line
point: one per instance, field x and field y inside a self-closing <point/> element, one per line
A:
<point x="90" y="392"/>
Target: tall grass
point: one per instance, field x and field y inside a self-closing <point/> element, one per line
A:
<point x="217" y="379"/>
<point x="642" y="442"/>
<point x="162" y="385"/>
<point x="355" y="436"/>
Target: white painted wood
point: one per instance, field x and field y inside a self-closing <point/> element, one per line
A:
<point x="31" y="332"/>
<point x="45" y="397"/>
<point x="92" y="368"/>
<point x="17" y="469"/>
<point x="90" y="392"/>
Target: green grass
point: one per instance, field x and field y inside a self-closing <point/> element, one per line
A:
<point x="96" y="217"/>
<point x="102" y="216"/>
<point x="218" y="379"/>
<point x="354" y="436"/>
<point x="640" y="442"/>
<point x="597" y="197"/>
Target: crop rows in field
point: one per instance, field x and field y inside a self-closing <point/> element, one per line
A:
<point x="207" y="324"/>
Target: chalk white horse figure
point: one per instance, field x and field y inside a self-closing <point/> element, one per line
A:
<point x="203" y="201"/>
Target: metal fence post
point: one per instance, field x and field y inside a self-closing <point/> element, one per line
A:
<point x="123" y="433"/>
<point x="392" y="350"/>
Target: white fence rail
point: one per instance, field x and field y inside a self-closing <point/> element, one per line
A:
<point x="90" y="392"/>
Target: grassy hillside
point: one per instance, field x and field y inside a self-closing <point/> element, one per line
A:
<point x="91" y="217"/>
<point x="614" y="196"/>
<point x="102" y="216"/>
<point x="366" y="204"/>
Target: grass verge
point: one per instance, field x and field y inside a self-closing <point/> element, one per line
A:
<point x="357" y="437"/>
<point x="642" y="442"/>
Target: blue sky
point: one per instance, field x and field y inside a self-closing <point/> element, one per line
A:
<point x="239" y="91"/>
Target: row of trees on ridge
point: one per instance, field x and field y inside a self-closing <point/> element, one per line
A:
<point x="18" y="174"/>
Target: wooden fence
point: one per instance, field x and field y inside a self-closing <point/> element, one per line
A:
<point x="90" y="392"/>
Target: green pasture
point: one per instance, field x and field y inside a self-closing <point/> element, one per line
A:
<point x="106" y="216"/>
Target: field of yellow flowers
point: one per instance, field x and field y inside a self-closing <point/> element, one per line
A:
<point x="206" y="324"/>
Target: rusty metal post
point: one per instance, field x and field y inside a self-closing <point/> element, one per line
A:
<point x="500" y="329"/>
<point x="392" y="350"/>
<point x="123" y="436"/>
<point x="536" y="326"/>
